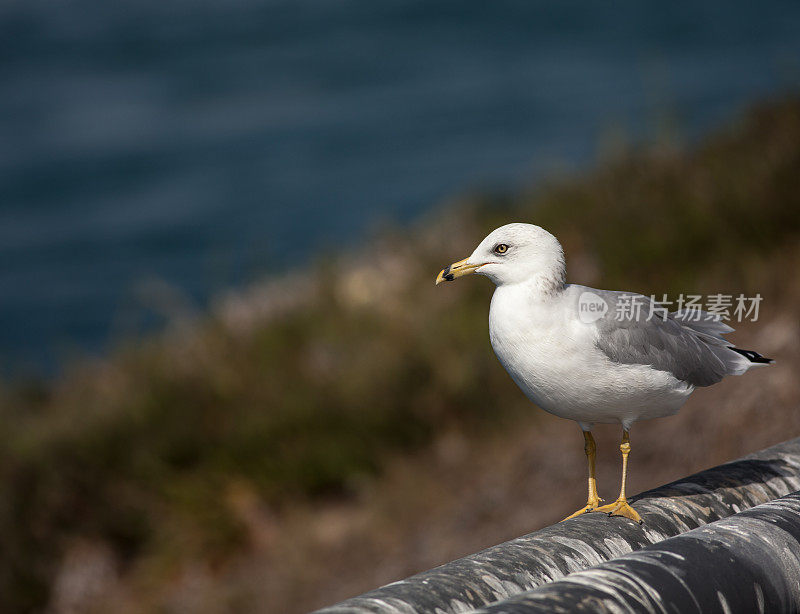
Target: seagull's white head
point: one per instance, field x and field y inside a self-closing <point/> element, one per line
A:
<point x="512" y="254"/>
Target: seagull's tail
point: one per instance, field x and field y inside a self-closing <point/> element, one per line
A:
<point x="711" y="330"/>
<point x="738" y="361"/>
<point x="752" y="356"/>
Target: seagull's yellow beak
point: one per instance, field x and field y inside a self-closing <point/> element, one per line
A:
<point x="457" y="269"/>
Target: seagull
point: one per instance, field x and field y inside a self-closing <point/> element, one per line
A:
<point x="570" y="351"/>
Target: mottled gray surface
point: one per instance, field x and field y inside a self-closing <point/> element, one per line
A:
<point x="527" y="562"/>
<point x="749" y="562"/>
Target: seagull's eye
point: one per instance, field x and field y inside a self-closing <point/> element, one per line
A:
<point x="501" y="249"/>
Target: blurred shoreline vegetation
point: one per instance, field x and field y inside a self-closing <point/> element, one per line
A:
<point x="304" y="386"/>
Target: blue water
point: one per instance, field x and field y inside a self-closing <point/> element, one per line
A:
<point x="204" y="144"/>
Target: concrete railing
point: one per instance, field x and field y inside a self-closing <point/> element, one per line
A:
<point x="673" y="562"/>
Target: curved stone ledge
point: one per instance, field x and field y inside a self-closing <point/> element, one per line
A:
<point x="749" y="562"/>
<point x="533" y="560"/>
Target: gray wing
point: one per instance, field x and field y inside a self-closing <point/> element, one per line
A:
<point x="692" y="351"/>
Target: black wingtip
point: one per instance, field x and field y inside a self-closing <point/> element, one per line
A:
<point x="752" y="356"/>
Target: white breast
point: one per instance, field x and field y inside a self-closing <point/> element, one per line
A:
<point x="552" y="357"/>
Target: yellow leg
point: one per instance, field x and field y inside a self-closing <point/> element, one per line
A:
<point x="593" y="501"/>
<point x="620" y="507"/>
